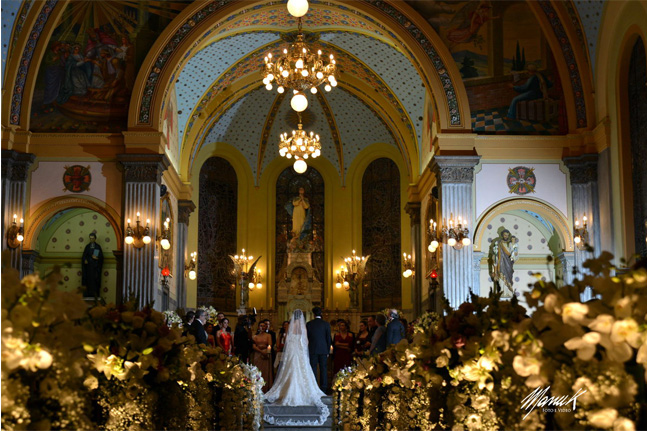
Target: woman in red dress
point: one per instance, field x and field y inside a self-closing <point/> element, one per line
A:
<point x="344" y="343"/>
<point x="225" y="339"/>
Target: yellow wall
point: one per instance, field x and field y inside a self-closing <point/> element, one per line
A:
<point x="256" y="217"/>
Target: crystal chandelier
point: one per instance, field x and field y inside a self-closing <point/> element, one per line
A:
<point x="300" y="145"/>
<point x="300" y="70"/>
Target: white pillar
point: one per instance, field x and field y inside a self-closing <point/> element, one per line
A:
<point x="456" y="175"/>
<point x="585" y="202"/>
<point x="15" y="172"/>
<point x="142" y="178"/>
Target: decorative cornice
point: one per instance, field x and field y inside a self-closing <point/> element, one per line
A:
<point x="413" y="209"/>
<point x="455" y="169"/>
<point x="184" y="209"/>
<point x="15" y="165"/>
<point x="143" y="168"/>
<point x="583" y="169"/>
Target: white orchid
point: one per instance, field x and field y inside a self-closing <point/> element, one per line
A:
<point x="603" y="418"/>
<point x="602" y="323"/>
<point x="626" y="330"/>
<point x="622" y="307"/>
<point x="585" y="345"/>
<point x="574" y="313"/>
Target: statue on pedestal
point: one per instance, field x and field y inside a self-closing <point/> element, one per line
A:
<point x="299" y="210"/>
<point x="504" y="252"/>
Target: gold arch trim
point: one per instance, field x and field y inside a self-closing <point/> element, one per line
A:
<point x="55" y="205"/>
<point x="545" y="210"/>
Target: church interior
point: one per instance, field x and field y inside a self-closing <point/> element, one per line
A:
<point x="422" y="152"/>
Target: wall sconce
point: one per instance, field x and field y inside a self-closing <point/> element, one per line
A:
<point x="166" y="233"/>
<point x="407" y="264"/>
<point x="190" y="268"/>
<point x="15" y="233"/>
<point x="351" y="275"/>
<point x="341" y="278"/>
<point x="456" y="236"/>
<point x="140" y="235"/>
<point x="580" y="234"/>
<point x="256" y="280"/>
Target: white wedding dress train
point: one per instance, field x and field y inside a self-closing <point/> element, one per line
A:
<point x="295" y="384"/>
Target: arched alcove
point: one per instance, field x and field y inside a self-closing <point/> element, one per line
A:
<point x="637" y="147"/>
<point x="61" y="241"/>
<point x="540" y="232"/>
<point x="381" y="235"/>
<point x="217" y="227"/>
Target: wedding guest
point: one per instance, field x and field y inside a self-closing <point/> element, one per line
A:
<point x="211" y="340"/>
<point x="273" y="335"/>
<point x="188" y="320"/>
<point x="280" y="346"/>
<point x="197" y="327"/>
<point x="378" y="342"/>
<point x="362" y="339"/>
<point x="343" y="343"/>
<point x="224" y="337"/>
<point x="372" y="327"/>
<point x="242" y="339"/>
<point x="395" y="331"/>
<point x="263" y="354"/>
<point x="219" y="318"/>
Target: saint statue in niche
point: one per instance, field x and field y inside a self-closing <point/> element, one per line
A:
<point x="91" y="264"/>
<point x="503" y="253"/>
<point x="299" y="210"/>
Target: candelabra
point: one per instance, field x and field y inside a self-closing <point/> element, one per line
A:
<point x="190" y="268"/>
<point x="407" y="264"/>
<point x="581" y="234"/>
<point x="139" y="235"/>
<point x="455" y="235"/>
<point x="350" y="276"/>
<point x="164" y="238"/>
<point x="245" y="272"/>
<point x="15" y="233"/>
<point x="299" y="69"/>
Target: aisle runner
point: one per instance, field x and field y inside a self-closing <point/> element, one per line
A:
<point x="297" y="414"/>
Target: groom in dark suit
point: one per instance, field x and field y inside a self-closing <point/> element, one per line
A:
<point x="319" y="342"/>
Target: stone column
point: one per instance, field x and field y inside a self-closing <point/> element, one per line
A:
<point x="185" y="208"/>
<point x="585" y="201"/>
<point x="456" y="177"/>
<point x="142" y="178"/>
<point x="413" y="209"/>
<point x="567" y="262"/>
<point x="15" y="172"/>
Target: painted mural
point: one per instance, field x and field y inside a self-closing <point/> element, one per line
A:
<point x="170" y="128"/>
<point x="504" y="60"/>
<point x="86" y="77"/>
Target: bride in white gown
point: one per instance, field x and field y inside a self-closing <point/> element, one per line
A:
<point x="295" y="384"/>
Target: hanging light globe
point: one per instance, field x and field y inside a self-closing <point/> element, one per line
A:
<point x="297" y="8"/>
<point x="300" y="166"/>
<point x="299" y="102"/>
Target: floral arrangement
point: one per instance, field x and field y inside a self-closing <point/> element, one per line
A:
<point x="173" y="319"/>
<point x="427" y="321"/>
<point x="488" y="365"/>
<point x="212" y="313"/>
<point x="69" y="366"/>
